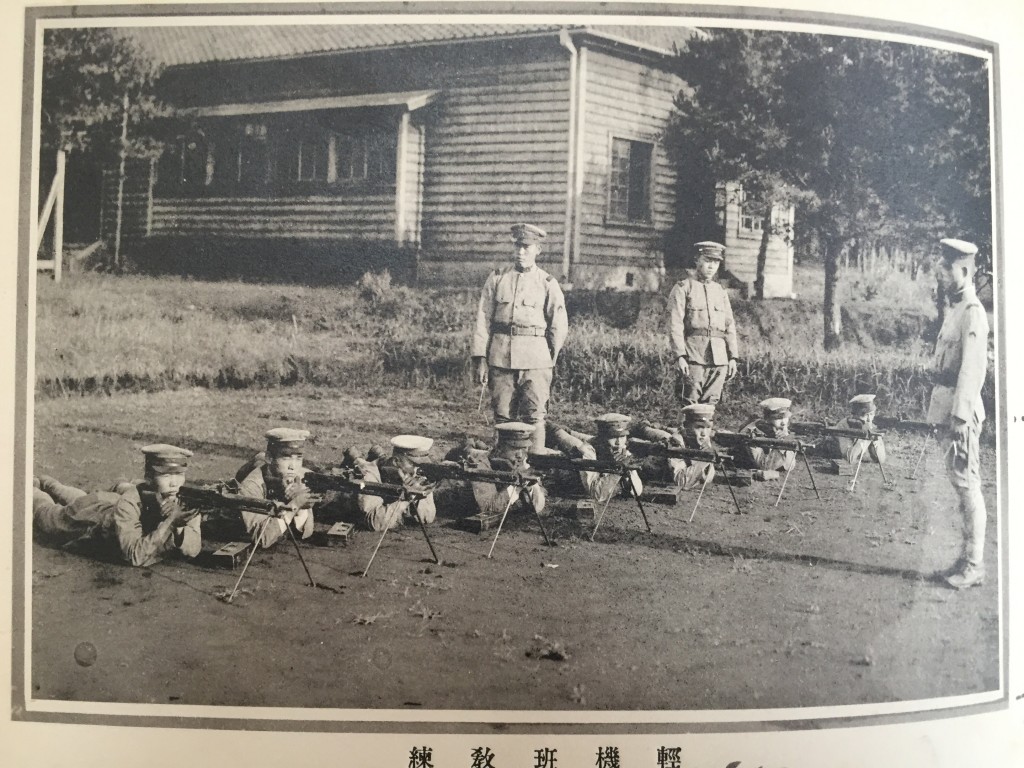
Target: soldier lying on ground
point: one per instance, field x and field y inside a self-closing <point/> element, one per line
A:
<point x="766" y="463"/>
<point x="277" y="475"/>
<point x="142" y="521"/>
<point x="696" y="432"/>
<point x="398" y="469"/>
<point x="514" y="440"/>
<point x="610" y="445"/>
<point x="839" y="447"/>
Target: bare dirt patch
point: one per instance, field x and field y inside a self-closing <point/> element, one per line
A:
<point x="810" y="603"/>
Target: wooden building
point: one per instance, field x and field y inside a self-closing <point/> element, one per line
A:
<point x="432" y="139"/>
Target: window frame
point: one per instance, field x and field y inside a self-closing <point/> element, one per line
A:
<point x="612" y="215"/>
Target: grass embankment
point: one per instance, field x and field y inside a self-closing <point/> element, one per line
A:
<point x="104" y="334"/>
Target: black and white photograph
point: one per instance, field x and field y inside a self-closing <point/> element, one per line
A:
<point x="470" y="370"/>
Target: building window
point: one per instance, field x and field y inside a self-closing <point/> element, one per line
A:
<point x="366" y="157"/>
<point x="253" y="156"/>
<point x="196" y="160"/>
<point x="306" y="155"/>
<point x="629" y="196"/>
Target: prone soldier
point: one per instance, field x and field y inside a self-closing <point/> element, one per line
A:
<point x="521" y="325"/>
<point x="958" y="367"/>
<point x="766" y="463"/>
<point x="610" y="444"/>
<point x="696" y="433"/>
<point x="399" y="469"/>
<point x="142" y="521"/>
<point x="702" y="330"/>
<point x="514" y="440"/>
<point x="856" y="450"/>
<point x="276" y="474"/>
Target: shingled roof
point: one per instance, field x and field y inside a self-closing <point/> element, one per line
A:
<point x="181" y="45"/>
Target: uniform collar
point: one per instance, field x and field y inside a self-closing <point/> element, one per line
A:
<point x="524" y="271"/>
<point x="967" y="294"/>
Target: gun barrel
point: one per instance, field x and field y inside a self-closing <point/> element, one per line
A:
<point x="458" y="472"/>
<point x="348" y="483"/>
<point x="551" y="461"/>
<point x="734" y="439"/>
<point x="648" y="448"/>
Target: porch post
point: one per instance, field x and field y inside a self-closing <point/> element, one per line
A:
<point x="400" y="178"/>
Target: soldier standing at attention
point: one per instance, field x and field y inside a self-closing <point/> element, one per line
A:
<point x="958" y="367"/>
<point x="520" y="328"/>
<point x="702" y="330"/>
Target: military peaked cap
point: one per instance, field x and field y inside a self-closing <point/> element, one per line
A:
<point x="612" y="425"/>
<point x="954" y="250"/>
<point x="165" y="459"/>
<point x="527" y="234"/>
<point x="861" y="404"/>
<point x="710" y="249"/>
<point x="776" y="405"/>
<point x="515" y="434"/>
<point x="698" y="413"/>
<point x="411" y="446"/>
<point x="285" y="441"/>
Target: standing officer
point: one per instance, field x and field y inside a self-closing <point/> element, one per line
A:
<point x="958" y="367"/>
<point x="520" y="328"/>
<point x="702" y="330"/>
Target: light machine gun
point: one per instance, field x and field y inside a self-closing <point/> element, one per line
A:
<point x="820" y="429"/>
<point x="740" y="440"/>
<point x="450" y="470"/>
<point x="221" y="497"/>
<point x="622" y="467"/>
<point x="347" y="480"/>
<point x="649" y="448"/>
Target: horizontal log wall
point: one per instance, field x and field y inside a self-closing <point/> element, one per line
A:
<point x="629" y="100"/>
<point x="369" y="217"/>
<point x="497" y="153"/>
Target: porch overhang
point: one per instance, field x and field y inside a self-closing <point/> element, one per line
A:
<point x="410" y="100"/>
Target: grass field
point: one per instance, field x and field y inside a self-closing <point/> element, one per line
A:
<point x="98" y="333"/>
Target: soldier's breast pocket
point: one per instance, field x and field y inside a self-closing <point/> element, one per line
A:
<point x="503" y="299"/>
<point x="532" y="309"/>
<point x="696" y="316"/>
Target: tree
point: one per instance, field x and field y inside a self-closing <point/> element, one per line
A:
<point x="870" y="138"/>
<point x="86" y="74"/>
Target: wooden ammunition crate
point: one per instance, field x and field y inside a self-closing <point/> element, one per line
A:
<point x="481" y="522"/>
<point x="584" y="510"/>
<point x="659" y="496"/>
<point x="340" y="534"/>
<point x="231" y="555"/>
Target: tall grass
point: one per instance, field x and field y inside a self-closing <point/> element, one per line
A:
<point x="103" y="333"/>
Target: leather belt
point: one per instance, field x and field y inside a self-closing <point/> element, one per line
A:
<point x="518" y="330"/>
<point x="707" y="333"/>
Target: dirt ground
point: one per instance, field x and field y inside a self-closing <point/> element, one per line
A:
<point x="811" y="603"/>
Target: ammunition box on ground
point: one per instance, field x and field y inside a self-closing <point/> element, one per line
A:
<point x="231" y="555"/>
<point x="340" y="534"/>
<point x="481" y="522"/>
<point x="659" y="496"/>
<point x="584" y="510"/>
<point x="837" y="468"/>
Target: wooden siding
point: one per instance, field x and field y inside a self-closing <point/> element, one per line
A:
<point x="136" y="201"/>
<point x="369" y="217"/>
<point x="742" y="247"/>
<point x="628" y="100"/>
<point x="497" y="152"/>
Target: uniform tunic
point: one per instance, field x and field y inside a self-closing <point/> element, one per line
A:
<point x="854" y="451"/>
<point x="577" y="445"/>
<point x="687" y="474"/>
<point x="521" y="326"/>
<point x="958" y="366"/>
<point x="770" y="459"/>
<point x="494" y="498"/>
<point x="372" y="511"/>
<point x="260" y="484"/>
<point x="130" y="523"/>
<point x="702" y="329"/>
